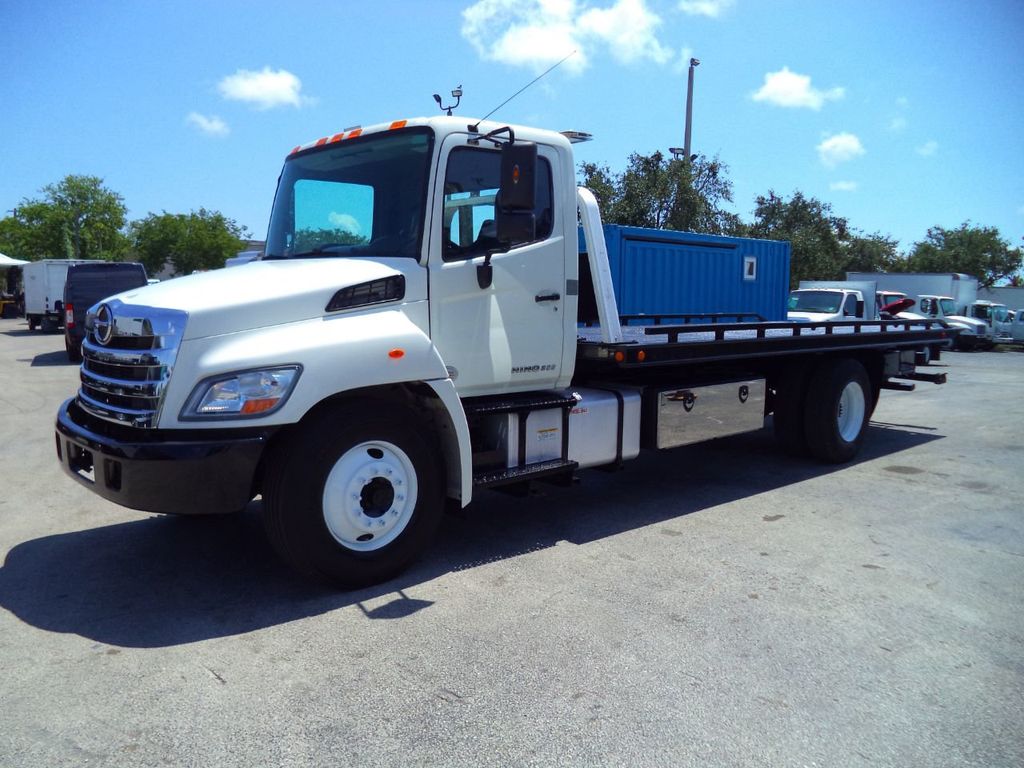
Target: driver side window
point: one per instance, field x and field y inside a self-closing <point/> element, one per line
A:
<point x="471" y="189"/>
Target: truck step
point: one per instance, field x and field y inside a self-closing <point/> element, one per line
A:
<point x="488" y="406"/>
<point x="538" y="471"/>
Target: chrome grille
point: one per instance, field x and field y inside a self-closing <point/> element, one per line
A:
<point x="124" y="380"/>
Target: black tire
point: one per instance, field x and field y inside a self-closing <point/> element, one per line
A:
<point x="73" y="349"/>
<point x="33" y="322"/>
<point x="790" y="388"/>
<point x="838" y="405"/>
<point x="317" y="496"/>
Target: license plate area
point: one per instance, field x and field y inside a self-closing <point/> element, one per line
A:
<point x="80" y="462"/>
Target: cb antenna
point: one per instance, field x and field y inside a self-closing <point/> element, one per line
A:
<point x="456" y="94"/>
<point x="506" y="101"/>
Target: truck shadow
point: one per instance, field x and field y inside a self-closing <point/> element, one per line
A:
<point x="50" y="358"/>
<point x="165" y="581"/>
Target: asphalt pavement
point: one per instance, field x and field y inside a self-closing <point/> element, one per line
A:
<point x="716" y="605"/>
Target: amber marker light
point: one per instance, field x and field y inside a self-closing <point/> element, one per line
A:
<point x="619" y="357"/>
<point x="641" y="356"/>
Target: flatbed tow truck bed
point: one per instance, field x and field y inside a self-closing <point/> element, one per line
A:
<point x="660" y="344"/>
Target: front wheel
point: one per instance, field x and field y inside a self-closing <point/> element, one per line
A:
<point x="355" y="496"/>
<point x="837" y="408"/>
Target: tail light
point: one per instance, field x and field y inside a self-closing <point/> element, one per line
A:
<point x="69" y="316"/>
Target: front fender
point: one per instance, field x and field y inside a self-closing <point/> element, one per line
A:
<point x="337" y="353"/>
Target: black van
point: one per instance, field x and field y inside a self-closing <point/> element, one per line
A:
<point x="88" y="284"/>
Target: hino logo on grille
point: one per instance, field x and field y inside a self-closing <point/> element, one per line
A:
<point x="103" y="325"/>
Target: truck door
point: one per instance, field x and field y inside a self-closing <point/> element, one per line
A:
<point x="508" y="336"/>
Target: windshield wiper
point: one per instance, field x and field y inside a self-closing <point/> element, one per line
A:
<point x="327" y="249"/>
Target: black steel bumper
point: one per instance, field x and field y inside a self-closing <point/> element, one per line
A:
<point x="163" y="473"/>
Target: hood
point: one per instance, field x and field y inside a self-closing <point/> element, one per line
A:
<point x="265" y="293"/>
<point x="811" y="317"/>
<point x="979" y="326"/>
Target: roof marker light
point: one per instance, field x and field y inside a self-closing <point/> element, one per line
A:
<point x="398" y="124"/>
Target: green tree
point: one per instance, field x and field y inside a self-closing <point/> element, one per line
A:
<point x="77" y="218"/>
<point x="977" y="251"/>
<point x="664" y="194"/>
<point x="194" y="241"/>
<point x="816" y="236"/>
<point x="871" y="253"/>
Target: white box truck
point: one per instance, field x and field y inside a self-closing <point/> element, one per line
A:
<point x="44" y="292"/>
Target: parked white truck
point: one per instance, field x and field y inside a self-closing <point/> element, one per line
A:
<point x="824" y="300"/>
<point x="941" y="296"/>
<point x="44" y="292"/>
<point x="996" y="316"/>
<point x="411" y="337"/>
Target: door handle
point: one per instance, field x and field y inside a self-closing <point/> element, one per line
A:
<point x="547" y="297"/>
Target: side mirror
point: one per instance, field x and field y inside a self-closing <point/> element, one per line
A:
<point x="515" y="220"/>
<point x="519" y="176"/>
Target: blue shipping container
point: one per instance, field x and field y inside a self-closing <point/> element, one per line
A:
<point x="662" y="272"/>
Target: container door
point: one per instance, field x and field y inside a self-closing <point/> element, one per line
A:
<point x="509" y="335"/>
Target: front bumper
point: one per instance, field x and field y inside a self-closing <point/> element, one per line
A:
<point x="162" y="472"/>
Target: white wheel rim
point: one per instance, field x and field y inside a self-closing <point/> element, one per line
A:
<point x="850" y="413"/>
<point x="369" y="496"/>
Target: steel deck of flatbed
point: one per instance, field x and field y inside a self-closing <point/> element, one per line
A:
<point x="662" y="344"/>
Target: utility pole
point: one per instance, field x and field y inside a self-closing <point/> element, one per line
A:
<point x="694" y="63"/>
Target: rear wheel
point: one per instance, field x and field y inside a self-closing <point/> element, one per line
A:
<point x="355" y="496"/>
<point x="838" y="404"/>
<point x="73" y="349"/>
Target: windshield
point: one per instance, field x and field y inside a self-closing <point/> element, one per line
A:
<point x="981" y="311"/>
<point x="948" y="307"/>
<point x="361" y="197"/>
<point x="815" y="301"/>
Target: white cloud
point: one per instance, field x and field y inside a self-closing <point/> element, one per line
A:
<point x="712" y="8"/>
<point x="211" y="126"/>
<point x="539" y="33"/>
<point x="345" y="221"/>
<point x="928" y="149"/>
<point x="843" y="186"/>
<point x="788" y="89"/>
<point x="628" y="29"/>
<point x="898" y="124"/>
<point x="839" y="149"/>
<point x="265" y="89"/>
<point x="683" y="61"/>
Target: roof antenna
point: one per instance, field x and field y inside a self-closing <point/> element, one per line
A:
<point x="456" y="94"/>
<point x="473" y="128"/>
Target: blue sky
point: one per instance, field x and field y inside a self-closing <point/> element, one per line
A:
<point x="902" y="114"/>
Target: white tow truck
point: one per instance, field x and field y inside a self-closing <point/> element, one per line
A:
<point x="411" y="338"/>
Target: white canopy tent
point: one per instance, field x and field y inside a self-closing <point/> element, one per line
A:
<point x="7" y="261"/>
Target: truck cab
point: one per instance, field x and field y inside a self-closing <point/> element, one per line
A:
<point x="974" y="333"/>
<point x="824" y="304"/>
<point x="995" y="316"/>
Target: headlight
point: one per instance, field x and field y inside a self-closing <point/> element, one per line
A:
<point x="245" y="394"/>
